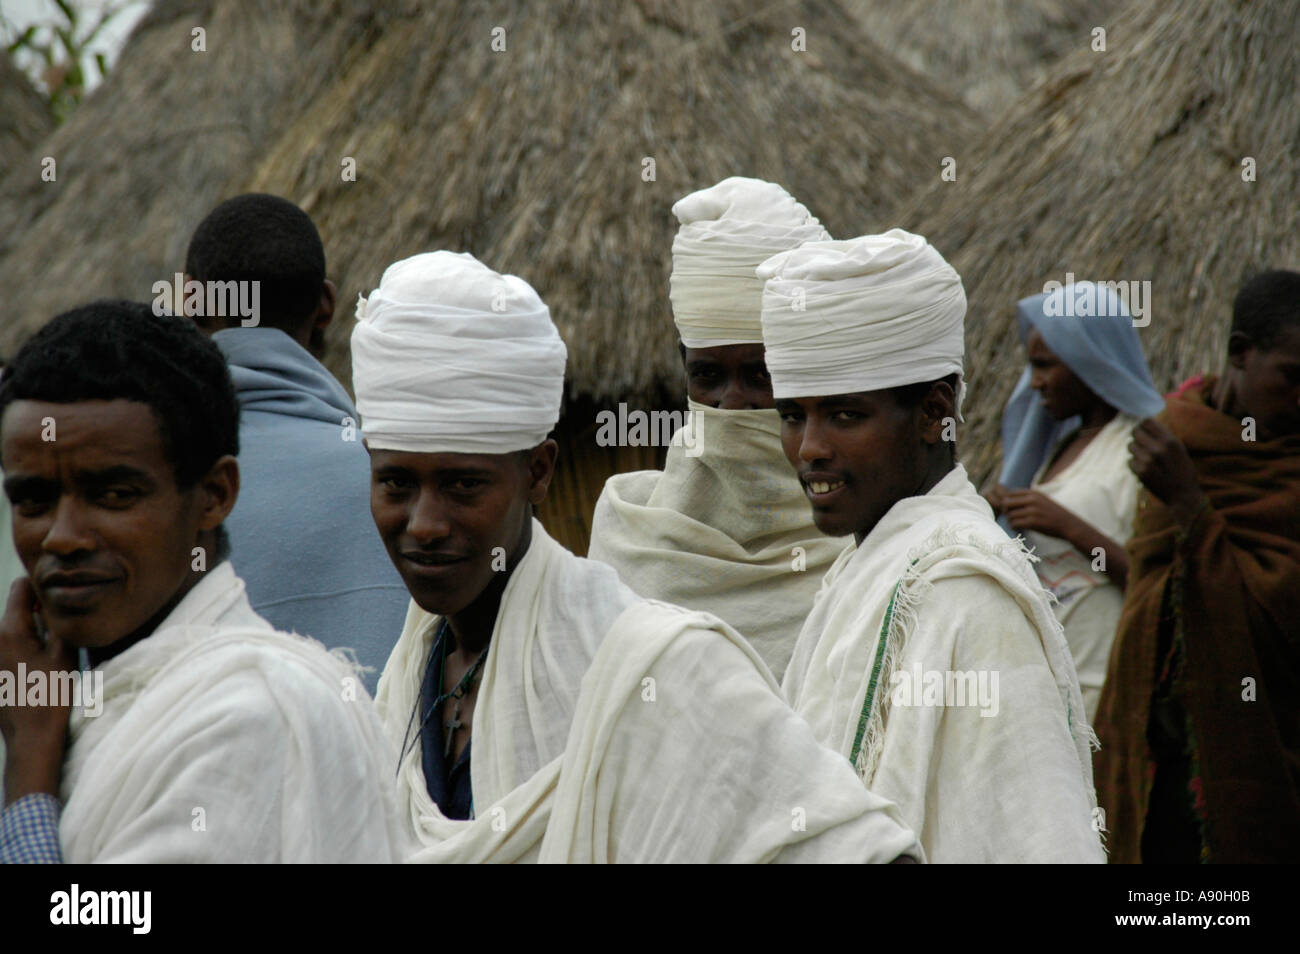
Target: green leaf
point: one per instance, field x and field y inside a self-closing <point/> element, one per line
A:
<point x="68" y="10"/>
<point x="25" y="40"/>
<point x="69" y="42"/>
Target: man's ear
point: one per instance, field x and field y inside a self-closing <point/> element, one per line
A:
<point x="937" y="408"/>
<point x="541" y="468"/>
<point x="204" y="323"/>
<point x="1238" y="346"/>
<point x="325" y="310"/>
<point x="218" y="488"/>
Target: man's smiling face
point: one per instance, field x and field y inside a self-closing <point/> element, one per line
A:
<point x="443" y="516"/>
<point x="100" y="525"/>
<point x="856" y="456"/>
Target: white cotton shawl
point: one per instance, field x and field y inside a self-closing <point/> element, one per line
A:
<point x="1013" y="786"/>
<point x="223" y="740"/>
<point x="725" y="231"/>
<point x="662" y="740"/>
<point x="873" y="312"/>
<point x="725" y="529"/>
<point x="449" y="356"/>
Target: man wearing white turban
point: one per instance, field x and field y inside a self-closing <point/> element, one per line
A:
<point x="722" y="528"/>
<point x="580" y="701"/>
<point x="931" y="657"/>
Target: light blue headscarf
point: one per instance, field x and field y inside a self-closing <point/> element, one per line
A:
<point x="1103" y="350"/>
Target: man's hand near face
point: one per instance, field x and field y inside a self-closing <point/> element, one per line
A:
<point x="1165" y="468"/>
<point x="34" y="736"/>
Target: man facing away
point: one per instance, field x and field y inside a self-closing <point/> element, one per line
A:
<point x="931" y="658"/>
<point x="602" y="727"/>
<point x="722" y="528"/>
<point x="312" y="566"/>
<point x="198" y="733"/>
<point x="1199" y="719"/>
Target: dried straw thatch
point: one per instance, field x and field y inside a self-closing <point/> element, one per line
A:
<point x="533" y="158"/>
<point x="24" y="118"/>
<point x="163" y="140"/>
<point x="988" y="52"/>
<point x="1128" y="165"/>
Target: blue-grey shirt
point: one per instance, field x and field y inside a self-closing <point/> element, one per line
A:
<point x="302" y="538"/>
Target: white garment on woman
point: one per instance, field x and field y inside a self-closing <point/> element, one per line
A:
<point x="1099" y="488"/>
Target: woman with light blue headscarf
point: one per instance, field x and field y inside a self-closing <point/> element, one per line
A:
<point x="1066" y="484"/>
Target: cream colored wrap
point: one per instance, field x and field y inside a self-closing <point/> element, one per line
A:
<point x="223" y="740"/>
<point x="728" y="531"/>
<point x="725" y="231"/>
<point x="670" y="743"/>
<point x="1006" y="781"/>
<point x="864" y="314"/>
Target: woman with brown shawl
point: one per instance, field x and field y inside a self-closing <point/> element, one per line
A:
<point x="1199" y="720"/>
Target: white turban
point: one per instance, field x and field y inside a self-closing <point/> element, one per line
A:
<point x="450" y="357"/>
<point x="726" y="231"/>
<point x="874" y="312"/>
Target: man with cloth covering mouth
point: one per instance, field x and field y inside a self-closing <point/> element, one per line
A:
<point x="722" y="528"/>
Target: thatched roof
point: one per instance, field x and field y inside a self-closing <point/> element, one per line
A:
<point x="532" y="158"/>
<point x="987" y="52"/>
<point x="24" y="117"/>
<point x="1127" y="165"/>
<point x="164" y="139"/>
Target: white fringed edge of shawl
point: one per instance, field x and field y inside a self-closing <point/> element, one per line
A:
<point x="911" y="591"/>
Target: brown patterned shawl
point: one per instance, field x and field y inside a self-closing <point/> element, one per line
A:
<point x="1235" y="615"/>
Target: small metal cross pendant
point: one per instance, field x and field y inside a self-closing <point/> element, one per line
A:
<point x="450" y="728"/>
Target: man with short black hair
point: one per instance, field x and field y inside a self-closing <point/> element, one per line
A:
<point x="931" y="658"/>
<point x="215" y="737"/>
<point x="257" y="237"/>
<point x="313" y="567"/>
<point x="1199" y="719"/>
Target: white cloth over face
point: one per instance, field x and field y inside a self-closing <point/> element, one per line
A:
<point x="726" y="231"/>
<point x="1099" y="487"/>
<point x="223" y="740"/>
<point x="937" y="595"/>
<point x="874" y="312"/>
<point x="449" y="356"/>
<point x="608" y="729"/>
<point x="725" y="529"/>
